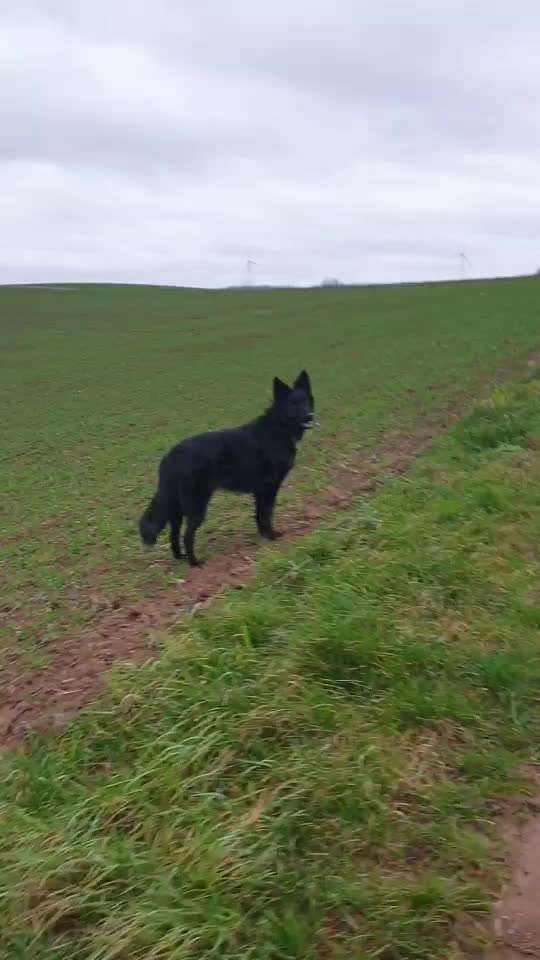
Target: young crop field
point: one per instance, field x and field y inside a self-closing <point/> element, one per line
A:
<point x="99" y="381"/>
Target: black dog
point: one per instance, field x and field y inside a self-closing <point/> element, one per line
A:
<point x="254" y="459"/>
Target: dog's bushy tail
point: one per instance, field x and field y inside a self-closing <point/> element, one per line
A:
<point x="154" y="518"/>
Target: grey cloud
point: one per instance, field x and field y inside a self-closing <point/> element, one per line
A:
<point x="169" y="142"/>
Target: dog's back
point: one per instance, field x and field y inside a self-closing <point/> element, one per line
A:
<point x="235" y="459"/>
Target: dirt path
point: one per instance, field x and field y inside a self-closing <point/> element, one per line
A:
<point x="517" y="914"/>
<point x="48" y="698"/>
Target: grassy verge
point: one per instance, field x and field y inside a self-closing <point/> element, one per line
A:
<point x="311" y="770"/>
<point x="98" y="382"/>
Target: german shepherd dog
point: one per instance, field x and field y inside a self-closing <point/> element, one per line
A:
<point x="254" y="458"/>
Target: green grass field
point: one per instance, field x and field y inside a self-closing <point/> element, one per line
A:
<point x="312" y="769"/>
<point x="98" y="381"/>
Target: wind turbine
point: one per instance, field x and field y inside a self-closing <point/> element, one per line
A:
<point x="249" y="265"/>
<point x="464" y="260"/>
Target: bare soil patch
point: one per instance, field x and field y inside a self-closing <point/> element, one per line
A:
<point x="517" y="914"/>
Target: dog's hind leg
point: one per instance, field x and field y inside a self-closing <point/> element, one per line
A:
<point x="176" y="525"/>
<point x="194" y="521"/>
<point x="195" y="507"/>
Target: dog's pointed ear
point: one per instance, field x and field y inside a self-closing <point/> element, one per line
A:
<point x="303" y="382"/>
<point x="281" y="390"/>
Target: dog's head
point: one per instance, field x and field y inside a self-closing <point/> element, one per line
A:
<point x="295" y="405"/>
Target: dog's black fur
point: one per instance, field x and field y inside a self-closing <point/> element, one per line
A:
<point x="254" y="458"/>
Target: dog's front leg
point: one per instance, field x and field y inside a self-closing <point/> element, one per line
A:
<point x="264" y="510"/>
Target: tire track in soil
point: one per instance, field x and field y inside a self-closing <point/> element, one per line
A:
<point x="49" y="698"/>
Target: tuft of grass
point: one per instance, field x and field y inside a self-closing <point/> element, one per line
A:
<point x="313" y="768"/>
<point x="501" y="421"/>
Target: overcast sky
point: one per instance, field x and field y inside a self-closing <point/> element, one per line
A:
<point x="167" y="141"/>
